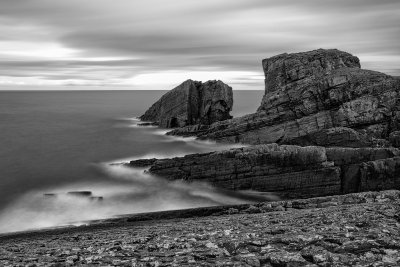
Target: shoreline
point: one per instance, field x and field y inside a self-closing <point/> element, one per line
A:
<point x="259" y="207"/>
<point x="353" y="229"/>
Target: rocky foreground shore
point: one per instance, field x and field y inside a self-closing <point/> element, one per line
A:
<point x="360" y="229"/>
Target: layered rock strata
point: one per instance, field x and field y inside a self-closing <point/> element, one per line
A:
<point x="190" y="103"/>
<point x="320" y="97"/>
<point x="288" y="171"/>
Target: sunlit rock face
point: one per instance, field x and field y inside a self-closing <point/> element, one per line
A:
<point x="190" y="103"/>
<point x="320" y="97"/>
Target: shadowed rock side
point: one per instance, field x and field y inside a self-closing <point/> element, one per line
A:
<point x="320" y="97"/>
<point x="288" y="171"/>
<point x="191" y="103"/>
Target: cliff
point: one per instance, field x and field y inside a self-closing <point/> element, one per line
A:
<point x="288" y="171"/>
<point x="190" y="103"/>
<point x="320" y="97"/>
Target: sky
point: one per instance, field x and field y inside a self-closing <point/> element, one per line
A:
<point x="157" y="44"/>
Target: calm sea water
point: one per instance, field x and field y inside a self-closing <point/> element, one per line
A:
<point x="56" y="142"/>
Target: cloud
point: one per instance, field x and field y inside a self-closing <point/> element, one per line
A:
<point x="62" y="40"/>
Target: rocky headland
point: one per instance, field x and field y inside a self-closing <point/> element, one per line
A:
<point x="286" y="170"/>
<point x="325" y="126"/>
<point x="321" y="97"/>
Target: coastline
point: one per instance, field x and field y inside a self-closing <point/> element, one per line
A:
<point x="358" y="228"/>
<point x="309" y="150"/>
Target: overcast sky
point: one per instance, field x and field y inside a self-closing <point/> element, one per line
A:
<point x="156" y="44"/>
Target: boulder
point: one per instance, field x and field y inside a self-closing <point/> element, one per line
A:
<point x="191" y="103"/>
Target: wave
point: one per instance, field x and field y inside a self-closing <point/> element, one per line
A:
<point x="124" y="190"/>
<point x="129" y="191"/>
<point x="191" y="140"/>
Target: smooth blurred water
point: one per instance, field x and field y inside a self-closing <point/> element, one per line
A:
<point x="59" y="141"/>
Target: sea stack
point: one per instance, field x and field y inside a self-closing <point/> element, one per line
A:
<point x="190" y="103"/>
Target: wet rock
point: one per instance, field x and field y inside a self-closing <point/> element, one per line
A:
<point x="141" y="163"/>
<point x="80" y="193"/>
<point x="145" y="124"/>
<point x="96" y="199"/>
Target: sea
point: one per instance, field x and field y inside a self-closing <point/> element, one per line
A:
<point x="55" y="142"/>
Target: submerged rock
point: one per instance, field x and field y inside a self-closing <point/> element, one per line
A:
<point x="98" y="199"/>
<point x="80" y="193"/>
<point x="146" y="124"/>
<point x="190" y="103"/>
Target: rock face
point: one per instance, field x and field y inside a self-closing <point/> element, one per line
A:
<point x="284" y="69"/>
<point x="288" y="171"/>
<point x="191" y="103"/>
<point x="320" y="97"/>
